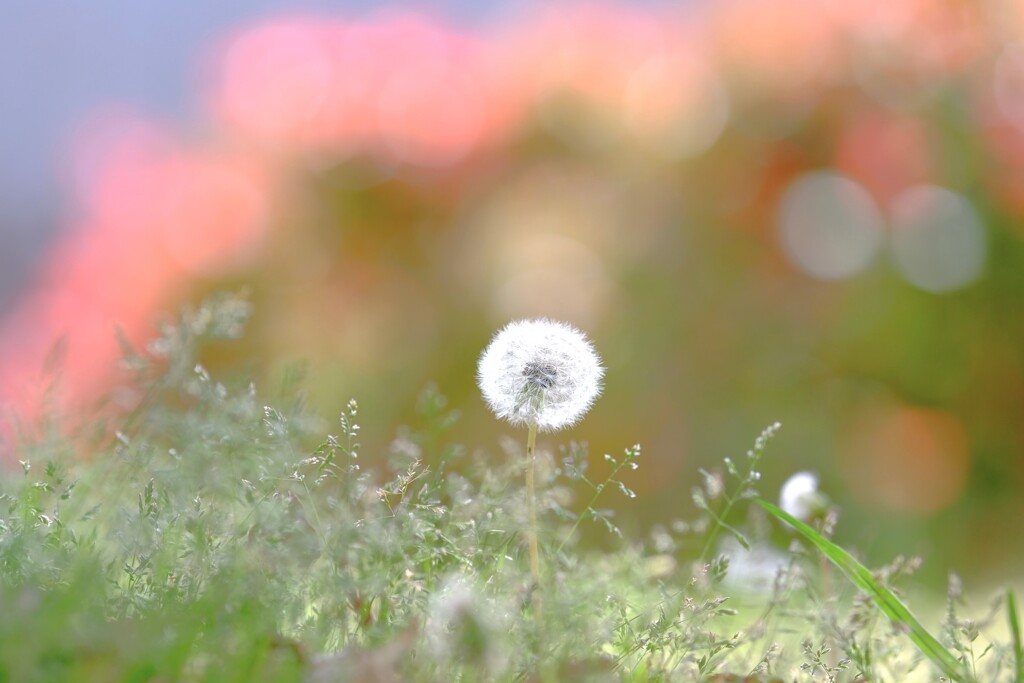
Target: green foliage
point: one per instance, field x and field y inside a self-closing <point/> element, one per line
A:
<point x="882" y="596"/>
<point x="218" y="536"/>
<point x="746" y="482"/>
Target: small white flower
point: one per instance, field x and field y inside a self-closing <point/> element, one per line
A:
<point x="540" y="372"/>
<point x="800" y="497"/>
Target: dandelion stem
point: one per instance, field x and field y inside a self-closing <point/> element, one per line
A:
<point x="531" y="534"/>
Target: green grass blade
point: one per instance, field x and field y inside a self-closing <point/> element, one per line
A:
<point x="1018" y="651"/>
<point x="884" y="598"/>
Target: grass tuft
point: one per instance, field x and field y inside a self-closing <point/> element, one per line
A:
<point x="224" y="533"/>
<point x="883" y="598"/>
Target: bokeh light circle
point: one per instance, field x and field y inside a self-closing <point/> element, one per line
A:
<point x="938" y="241"/>
<point x="907" y="459"/>
<point x="679" y="105"/>
<point x="829" y="225"/>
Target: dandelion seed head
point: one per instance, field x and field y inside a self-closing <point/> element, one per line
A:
<point x="540" y="375"/>
<point x="540" y="372"/>
<point x="800" y="497"/>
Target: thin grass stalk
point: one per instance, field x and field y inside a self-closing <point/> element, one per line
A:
<point x="1018" y="650"/>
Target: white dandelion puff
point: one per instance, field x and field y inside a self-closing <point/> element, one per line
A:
<point x="540" y="373"/>
<point x="544" y="375"/>
<point x="800" y="497"/>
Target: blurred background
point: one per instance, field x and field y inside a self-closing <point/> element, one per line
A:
<point x="759" y="210"/>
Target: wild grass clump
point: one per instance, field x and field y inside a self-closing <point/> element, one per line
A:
<point x="214" y="535"/>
